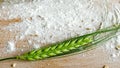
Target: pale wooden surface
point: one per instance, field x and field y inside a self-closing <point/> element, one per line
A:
<point x="96" y="58"/>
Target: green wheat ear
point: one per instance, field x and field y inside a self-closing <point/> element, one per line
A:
<point x="56" y="49"/>
<point x="72" y="45"/>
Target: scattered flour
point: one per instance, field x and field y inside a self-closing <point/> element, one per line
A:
<point x="49" y="21"/>
<point x="53" y="20"/>
<point x="11" y="46"/>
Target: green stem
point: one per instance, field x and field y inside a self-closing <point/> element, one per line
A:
<point x="7" y="58"/>
<point x="105" y="30"/>
<point x="94" y="43"/>
<point x="110" y="29"/>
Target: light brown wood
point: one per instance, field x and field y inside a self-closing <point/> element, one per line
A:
<point x="95" y="58"/>
<point x="10" y="21"/>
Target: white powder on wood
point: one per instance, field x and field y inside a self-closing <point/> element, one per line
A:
<point x="10" y="46"/>
<point x="54" y="20"/>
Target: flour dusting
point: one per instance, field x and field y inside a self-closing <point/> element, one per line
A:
<point x="10" y="46"/>
<point x="45" y="22"/>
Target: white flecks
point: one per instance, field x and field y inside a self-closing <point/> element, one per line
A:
<point x="10" y="46"/>
<point x="36" y="46"/>
<point x="54" y="20"/>
<point x="114" y="55"/>
<point x="13" y="65"/>
<point x="111" y="50"/>
<point x="118" y="39"/>
<point x="29" y="42"/>
<point x="22" y="49"/>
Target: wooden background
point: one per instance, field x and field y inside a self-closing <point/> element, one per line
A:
<point x="96" y="58"/>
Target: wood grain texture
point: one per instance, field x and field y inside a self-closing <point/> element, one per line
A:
<point x="9" y="21"/>
<point x="96" y="58"/>
<point x="76" y="61"/>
